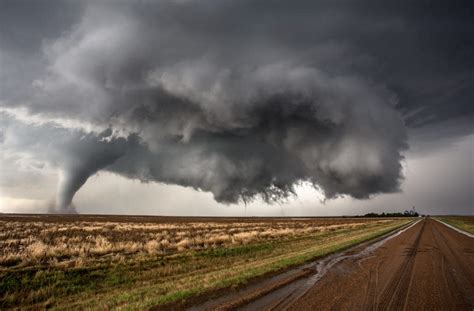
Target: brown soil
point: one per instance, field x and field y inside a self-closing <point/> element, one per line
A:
<point x="427" y="267"/>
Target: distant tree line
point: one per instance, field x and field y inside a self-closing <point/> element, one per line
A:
<point x="404" y="214"/>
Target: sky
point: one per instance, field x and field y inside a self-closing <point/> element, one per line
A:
<point x="236" y="108"/>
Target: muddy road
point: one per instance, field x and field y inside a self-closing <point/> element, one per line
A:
<point x="427" y="266"/>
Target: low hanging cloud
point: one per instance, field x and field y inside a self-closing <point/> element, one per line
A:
<point x="243" y="134"/>
<point x="156" y="94"/>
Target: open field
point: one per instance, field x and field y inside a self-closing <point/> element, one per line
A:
<point x="465" y="223"/>
<point x="138" y="262"/>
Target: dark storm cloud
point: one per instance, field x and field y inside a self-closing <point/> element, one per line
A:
<point x="241" y="98"/>
<point x="25" y="26"/>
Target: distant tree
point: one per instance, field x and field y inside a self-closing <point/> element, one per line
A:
<point x="406" y="213"/>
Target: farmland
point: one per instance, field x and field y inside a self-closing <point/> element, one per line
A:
<point x="138" y="262"/>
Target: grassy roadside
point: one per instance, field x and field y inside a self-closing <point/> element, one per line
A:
<point x="464" y="223"/>
<point x="154" y="280"/>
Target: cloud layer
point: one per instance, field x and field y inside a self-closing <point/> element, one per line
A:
<point x="194" y="94"/>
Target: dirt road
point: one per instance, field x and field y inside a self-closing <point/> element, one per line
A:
<point x="427" y="266"/>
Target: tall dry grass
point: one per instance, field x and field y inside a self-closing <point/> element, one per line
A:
<point x="77" y="243"/>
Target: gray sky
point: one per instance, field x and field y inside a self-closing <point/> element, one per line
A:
<point x="236" y="107"/>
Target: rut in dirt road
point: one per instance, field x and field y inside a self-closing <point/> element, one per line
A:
<point x="396" y="290"/>
<point x="428" y="267"/>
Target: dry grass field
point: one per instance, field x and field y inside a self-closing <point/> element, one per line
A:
<point x="93" y="262"/>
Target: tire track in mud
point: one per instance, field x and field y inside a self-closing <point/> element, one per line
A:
<point x="371" y="297"/>
<point x="429" y="267"/>
<point x="325" y="265"/>
<point x="448" y="280"/>
<point x="464" y="280"/>
<point x="394" y="294"/>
